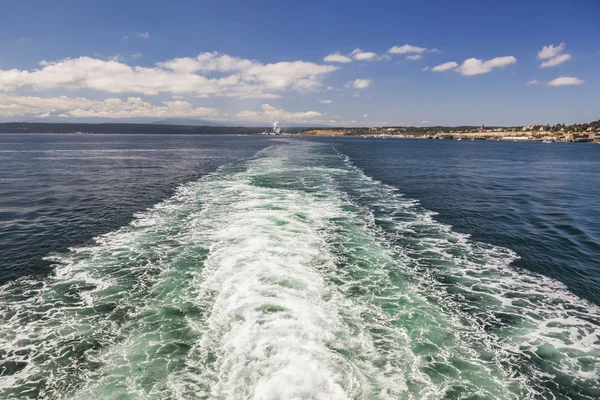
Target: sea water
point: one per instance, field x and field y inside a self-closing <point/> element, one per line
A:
<point x="293" y="274"/>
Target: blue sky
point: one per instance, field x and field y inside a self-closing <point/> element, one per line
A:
<point x="390" y="62"/>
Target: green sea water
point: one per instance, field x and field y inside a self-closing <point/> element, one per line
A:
<point x="293" y="275"/>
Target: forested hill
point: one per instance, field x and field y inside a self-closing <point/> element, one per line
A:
<point x="35" y="127"/>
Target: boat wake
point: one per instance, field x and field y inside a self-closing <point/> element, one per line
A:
<point x="294" y="275"/>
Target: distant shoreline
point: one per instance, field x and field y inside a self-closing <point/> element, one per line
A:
<point x="496" y="135"/>
<point x="575" y="133"/>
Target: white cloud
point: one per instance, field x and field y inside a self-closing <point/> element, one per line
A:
<point x="565" y="80"/>
<point x="64" y="106"/>
<point x="425" y="122"/>
<point x="184" y="65"/>
<point x="125" y="37"/>
<point x="426" y="68"/>
<point x="550" y="51"/>
<point x="444" y="67"/>
<point x="359" y="83"/>
<point x="357" y="55"/>
<point x="474" y="66"/>
<point x="533" y="82"/>
<point x="257" y="95"/>
<point x="365" y="116"/>
<point x="414" y="57"/>
<point x="135" y="56"/>
<point x="270" y="113"/>
<point x="408" y="49"/>
<point x="323" y="101"/>
<point x="329" y="88"/>
<point x="553" y="55"/>
<point x="337" y="57"/>
<point x="143" y="35"/>
<point x="235" y="77"/>
<point x="556" y="61"/>
<point x="360" y="55"/>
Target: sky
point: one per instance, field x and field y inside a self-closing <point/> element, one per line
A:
<point x="337" y="63"/>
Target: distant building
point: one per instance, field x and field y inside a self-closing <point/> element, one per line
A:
<point x="527" y="128"/>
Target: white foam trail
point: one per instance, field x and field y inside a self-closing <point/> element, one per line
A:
<point x="535" y="326"/>
<point x="275" y="325"/>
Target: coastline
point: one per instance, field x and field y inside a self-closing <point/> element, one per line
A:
<point x="504" y="135"/>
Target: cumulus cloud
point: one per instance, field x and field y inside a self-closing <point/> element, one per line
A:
<point x="414" y="57"/>
<point x="474" y="66"/>
<point x="565" y="80"/>
<point x="443" y="67"/>
<point x="135" y="56"/>
<point x="533" y="82"/>
<point x="356" y="55"/>
<point x="360" y="55"/>
<point x="553" y="55"/>
<point x="426" y="68"/>
<point x="132" y="107"/>
<point x="270" y="113"/>
<point x="143" y="35"/>
<point x="337" y="57"/>
<point x="556" y="61"/>
<point x="208" y="74"/>
<point x="551" y="51"/>
<point x="324" y="101"/>
<point x="359" y="83"/>
<point x="408" y="49"/>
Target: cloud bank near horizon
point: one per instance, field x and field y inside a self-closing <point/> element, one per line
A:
<point x="89" y="87"/>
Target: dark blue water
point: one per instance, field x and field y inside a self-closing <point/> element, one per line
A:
<point x="540" y="200"/>
<point x="59" y="191"/>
